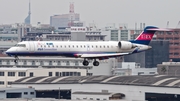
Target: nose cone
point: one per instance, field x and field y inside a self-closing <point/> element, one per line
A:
<point x="7" y="52"/>
<point x="10" y="51"/>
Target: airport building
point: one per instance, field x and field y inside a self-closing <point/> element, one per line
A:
<point x="9" y="93"/>
<point x="9" y="75"/>
<point x="122" y="88"/>
<point x="49" y="66"/>
<point x="169" y="68"/>
<point x="47" y="62"/>
<point x="132" y="68"/>
<point x="112" y="66"/>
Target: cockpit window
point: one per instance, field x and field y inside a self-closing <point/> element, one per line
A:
<point x="20" y="45"/>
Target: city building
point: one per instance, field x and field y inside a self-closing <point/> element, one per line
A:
<point x="65" y="34"/>
<point x="152" y="57"/>
<point x="78" y="33"/>
<point x="38" y="32"/>
<point x="78" y="24"/>
<point x="28" y="18"/>
<point x="174" y="44"/>
<point x="86" y="34"/>
<point x="135" y="33"/>
<point x="11" y="35"/>
<point x="66" y="20"/>
<point x="116" y="34"/>
<point x="8" y="36"/>
<point x="121" y="88"/>
<point x="169" y="68"/>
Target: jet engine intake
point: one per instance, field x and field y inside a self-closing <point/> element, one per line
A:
<point x="124" y="45"/>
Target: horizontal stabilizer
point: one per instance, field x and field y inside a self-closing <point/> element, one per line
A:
<point x="159" y="29"/>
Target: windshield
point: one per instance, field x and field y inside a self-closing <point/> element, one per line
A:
<point x="20" y="45"/>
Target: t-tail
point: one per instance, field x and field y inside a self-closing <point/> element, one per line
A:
<point x="146" y="36"/>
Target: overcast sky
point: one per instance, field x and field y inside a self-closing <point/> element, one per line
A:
<point x="102" y="12"/>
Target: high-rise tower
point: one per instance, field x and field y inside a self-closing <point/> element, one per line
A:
<point x="71" y="19"/>
<point x="71" y="14"/>
<point x="28" y="18"/>
<point x="71" y="8"/>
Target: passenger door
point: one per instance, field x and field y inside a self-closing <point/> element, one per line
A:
<point x="31" y="47"/>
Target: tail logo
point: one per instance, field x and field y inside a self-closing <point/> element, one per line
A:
<point x="145" y="36"/>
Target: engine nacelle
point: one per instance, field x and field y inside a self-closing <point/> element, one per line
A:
<point x="124" y="45"/>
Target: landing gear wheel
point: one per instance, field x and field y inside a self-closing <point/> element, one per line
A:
<point x="15" y="61"/>
<point x="96" y="63"/>
<point x="85" y="63"/>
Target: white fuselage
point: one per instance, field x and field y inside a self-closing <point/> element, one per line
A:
<point x="68" y="48"/>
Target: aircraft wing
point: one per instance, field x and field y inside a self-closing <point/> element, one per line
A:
<point x="100" y="55"/>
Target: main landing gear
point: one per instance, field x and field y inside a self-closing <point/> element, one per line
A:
<point x="16" y="59"/>
<point x="86" y="63"/>
<point x="95" y="63"/>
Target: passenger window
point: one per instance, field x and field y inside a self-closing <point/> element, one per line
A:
<point x="69" y="46"/>
<point x="107" y="46"/>
<point x="77" y="46"/>
<point x="104" y="46"/>
<point x="84" y="46"/>
<point x="57" y="46"/>
<point x="96" y="46"/>
<point x="44" y="45"/>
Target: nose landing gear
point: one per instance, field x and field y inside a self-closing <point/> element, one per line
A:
<point x="16" y="59"/>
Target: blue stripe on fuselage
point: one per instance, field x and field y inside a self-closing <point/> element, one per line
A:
<point x="67" y="54"/>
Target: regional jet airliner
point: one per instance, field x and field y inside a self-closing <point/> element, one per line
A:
<point x="84" y="49"/>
